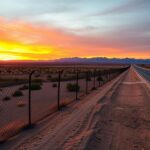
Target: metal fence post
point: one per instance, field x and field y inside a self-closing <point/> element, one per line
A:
<point x="87" y="78"/>
<point x="99" y="76"/>
<point x="77" y="84"/>
<point x="94" y="88"/>
<point x="29" y="100"/>
<point x="58" y="98"/>
<point x="108" y="75"/>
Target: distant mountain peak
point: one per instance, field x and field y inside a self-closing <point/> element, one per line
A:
<point x="103" y="60"/>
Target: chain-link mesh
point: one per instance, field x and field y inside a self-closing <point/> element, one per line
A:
<point x="75" y="82"/>
<point x="13" y="103"/>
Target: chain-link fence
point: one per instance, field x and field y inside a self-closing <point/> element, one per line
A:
<point x="27" y="96"/>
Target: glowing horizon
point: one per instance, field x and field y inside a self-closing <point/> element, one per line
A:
<point x="87" y="29"/>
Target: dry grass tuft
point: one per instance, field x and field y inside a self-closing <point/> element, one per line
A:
<point x="21" y="103"/>
<point x="10" y="130"/>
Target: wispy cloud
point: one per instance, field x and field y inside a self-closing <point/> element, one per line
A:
<point x="125" y="7"/>
<point x="61" y="43"/>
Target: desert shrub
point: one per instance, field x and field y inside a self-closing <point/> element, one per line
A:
<point x="54" y="85"/>
<point x="37" y="81"/>
<point x="36" y="86"/>
<point x="93" y="88"/>
<point x="21" y="103"/>
<point x="73" y="87"/>
<point x="49" y="76"/>
<point x="37" y="75"/>
<point x="16" y="79"/>
<point x="6" y="98"/>
<point x="99" y="78"/>
<point x="24" y="87"/>
<point x="89" y="79"/>
<point x="65" y="75"/>
<point x="17" y="94"/>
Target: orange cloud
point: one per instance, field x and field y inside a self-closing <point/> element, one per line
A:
<point x="23" y="41"/>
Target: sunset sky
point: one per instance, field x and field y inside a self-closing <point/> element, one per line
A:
<point x="51" y="29"/>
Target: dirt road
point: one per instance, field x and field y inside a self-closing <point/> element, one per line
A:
<point x="115" y="117"/>
<point x="124" y="123"/>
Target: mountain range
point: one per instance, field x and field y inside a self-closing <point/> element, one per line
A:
<point x="79" y="60"/>
<point x="103" y="60"/>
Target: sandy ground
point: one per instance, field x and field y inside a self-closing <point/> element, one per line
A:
<point x="69" y="129"/>
<point x="44" y="98"/>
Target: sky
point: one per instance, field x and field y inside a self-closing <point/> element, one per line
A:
<point x="52" y="29"/>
